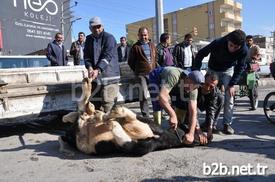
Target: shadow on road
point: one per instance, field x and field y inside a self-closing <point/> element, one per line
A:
<point x="257" y="136"/>
<point x="50" y="123"/>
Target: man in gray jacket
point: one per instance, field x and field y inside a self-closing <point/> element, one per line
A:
<point x="101" y="61"/>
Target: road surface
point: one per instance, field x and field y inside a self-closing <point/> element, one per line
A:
<point x="249" y="155"/>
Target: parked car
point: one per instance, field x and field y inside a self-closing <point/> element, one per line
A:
<point x="23" y="61"/>
<point x="204" y="67"/>
<point x="264" y="71"/>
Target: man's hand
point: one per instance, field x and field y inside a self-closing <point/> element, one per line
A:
<point x="93" y="73"/>
<point x="173" y="122"/>
<point x="210" y="134"/>
<point x="188" y="138"/>
<point x="202" y="137"/>
<point x="90" y="72"/>
<point x="231" y="90"/>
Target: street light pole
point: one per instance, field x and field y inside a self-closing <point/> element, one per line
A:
<point x="273" y="35"/>
<point x="63" y="11"/>
<point x="159" y="18"/>
<point x="71" y="23"/>
<point x="62" y="15"/>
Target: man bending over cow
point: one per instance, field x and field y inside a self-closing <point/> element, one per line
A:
<point x="181" y="86"/>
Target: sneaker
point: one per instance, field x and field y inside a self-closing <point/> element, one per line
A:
<point x="215" y="130"/>
<point x="228" y="129"/>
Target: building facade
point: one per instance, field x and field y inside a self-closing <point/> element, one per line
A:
<point x="212" y="20"/>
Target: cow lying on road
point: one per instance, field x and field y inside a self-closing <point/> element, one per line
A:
<point x="120" y="130"/>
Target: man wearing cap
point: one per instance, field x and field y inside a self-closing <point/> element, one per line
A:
<point x="101" y="61"/>
<point x="181" y="87"/>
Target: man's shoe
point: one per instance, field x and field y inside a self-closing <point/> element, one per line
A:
<point x="228" y="130"/>
<point x="215" y="130"/>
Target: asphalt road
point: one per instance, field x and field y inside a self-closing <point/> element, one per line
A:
<point x="248" y="155"/>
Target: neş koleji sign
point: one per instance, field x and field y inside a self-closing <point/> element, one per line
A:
<point x="29" y="22"/>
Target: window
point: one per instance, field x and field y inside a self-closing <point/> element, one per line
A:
<point x="165" y="24"/>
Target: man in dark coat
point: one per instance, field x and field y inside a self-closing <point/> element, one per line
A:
<point x="56" y="52"/>
<point x="100" y="55"/>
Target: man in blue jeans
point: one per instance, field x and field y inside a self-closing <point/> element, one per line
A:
<point x="227" y="60"/>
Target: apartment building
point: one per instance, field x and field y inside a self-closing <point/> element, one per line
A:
<point x="212" y="20"/>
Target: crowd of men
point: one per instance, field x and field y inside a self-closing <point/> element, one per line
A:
<point x="171" y="76"/>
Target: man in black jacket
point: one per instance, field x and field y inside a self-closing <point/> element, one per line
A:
<point x="123" y="50"/>
<point x="184" y="53"/>
<point x="100" y="55"/>
<point x="210" y="99"/>
<point x="77" y="48"/>
<point x="227" y="59"/>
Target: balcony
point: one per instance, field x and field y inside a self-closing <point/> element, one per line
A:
<point x="227" y="29"/>
<point x="227" y="4"/>
<point x="238" y="25"/>
<point x="227" y="16"/>
<point x="238" y="6"/>
<point x="238" y="18"/>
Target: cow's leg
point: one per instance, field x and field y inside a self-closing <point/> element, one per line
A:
<point x="70" y="117"/>
<point x="121" y="137"/>
<point x="63" y="149"/>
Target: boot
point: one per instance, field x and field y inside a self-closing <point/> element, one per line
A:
<point x="157" y="117"/>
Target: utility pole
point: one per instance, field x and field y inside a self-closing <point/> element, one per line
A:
<point x="62" y="15"/>
<point x="159" y="18"/>
<point x="62" y="19"/>
<point x="71" y="24"/>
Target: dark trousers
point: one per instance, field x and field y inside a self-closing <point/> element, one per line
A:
<point x="104" y="96"/>
<point x="143" y="95"/>
<point x="212" y="110"/>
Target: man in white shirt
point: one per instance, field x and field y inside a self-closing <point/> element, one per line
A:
<point x="183" y="53"/>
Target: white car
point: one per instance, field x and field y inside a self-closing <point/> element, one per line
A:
<point x="264" y="71"/>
